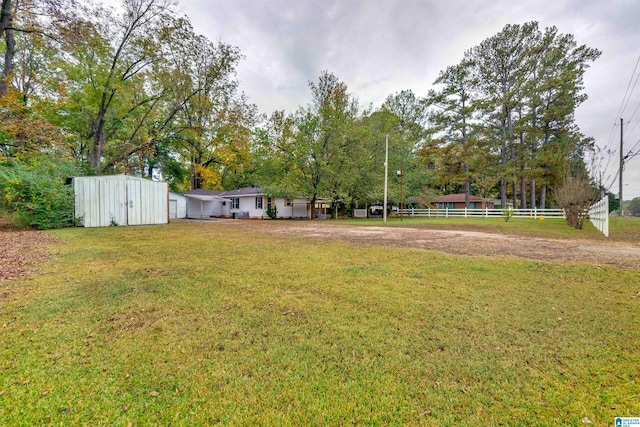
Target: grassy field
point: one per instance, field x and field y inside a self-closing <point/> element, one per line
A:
<point x="199" y="324"/>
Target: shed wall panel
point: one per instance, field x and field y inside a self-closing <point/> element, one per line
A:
<point x="105" y="200"/>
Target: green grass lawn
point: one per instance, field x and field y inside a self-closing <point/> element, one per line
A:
<point x="199" y="324"/>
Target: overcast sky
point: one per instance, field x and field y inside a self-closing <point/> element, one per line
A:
<point x="379" y="47"/>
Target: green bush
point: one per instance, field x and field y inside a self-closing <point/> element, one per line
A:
<point x="507" y="213"/>
<point x="36" y="195"/>
<point x="272" y="211"/>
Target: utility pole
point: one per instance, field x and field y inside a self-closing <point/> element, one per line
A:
<point x="401" y="198"/>
<point x="621" y="166"/>
<point x="386" y="173"/>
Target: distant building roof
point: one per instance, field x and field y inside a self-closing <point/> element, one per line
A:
<point x="204" y="195"/>
<point x="458" y="198"/>
<point x="246" y="191"/>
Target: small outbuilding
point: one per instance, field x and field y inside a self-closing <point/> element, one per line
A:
<point x="177" y="206"/>
<point x="102" y="201"/>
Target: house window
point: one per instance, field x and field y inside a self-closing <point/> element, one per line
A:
<point x="235" y="203"/>
<point x="268" y="202"/>
<point x="287" y="202"/>
<point x="259" y="202"/>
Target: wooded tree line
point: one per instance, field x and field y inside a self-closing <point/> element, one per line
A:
<point x="140" y="92"/>
<point x="137" y="92"/>
<point x="504" y="116"/>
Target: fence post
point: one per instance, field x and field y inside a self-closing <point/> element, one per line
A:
<point x="599" y="215"/>
<point x="446" y="212"/>
<point x="465" y="211"/>
<point x="605" y="211"/>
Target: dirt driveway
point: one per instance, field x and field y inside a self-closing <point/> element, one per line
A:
<point x="22" y="251"/>
<point x="458" y="242"/>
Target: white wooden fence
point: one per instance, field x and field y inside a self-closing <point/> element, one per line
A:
<point x="485" y="213"/>
<point x="599" y="215"/>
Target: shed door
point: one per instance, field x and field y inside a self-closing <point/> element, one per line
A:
<point x="135" y="203"/>
<point x="173" y="209"/>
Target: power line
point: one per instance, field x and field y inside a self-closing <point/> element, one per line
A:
<point x="613" y="128"/>
<point x="637" y="145"/>
<point x="628" y="86"/>
<point x="610" y="153"/>
<point x="620" y="109"/>
<point x="632" y="89"/>
<point x="629" y="133"/>
<point x="615" y="178"/>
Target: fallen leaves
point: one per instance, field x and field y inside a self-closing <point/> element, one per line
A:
<point x="21" y="252"/>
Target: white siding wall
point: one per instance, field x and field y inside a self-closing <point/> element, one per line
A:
<point x="225" y="209"/>
<point x="179" y="203"/>
<point x="219" y="210"/>
<point x="120" y="200"/>
<point x="248" y="204"/>
<point x="199" y="208"/>
<point x="206" y="208"/>
<point x="297" y="209"/>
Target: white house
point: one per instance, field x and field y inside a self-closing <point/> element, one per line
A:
<point x="248" y="202"/>
<point x="252" y="202"/>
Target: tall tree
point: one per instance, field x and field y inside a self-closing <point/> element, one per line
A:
<point x="453" y="121"/>
<point x="501" y="72"/>
<point x="314" y="152"/>
<point x="554" y="90"/>
<point x="108" y="70"/>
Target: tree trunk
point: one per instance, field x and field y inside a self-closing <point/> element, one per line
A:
<point x="532" y="187"/>
<point x="543" y="195"/>
<point x="96" y="151"/>
<point x="99" y="138"/>
<point x="6" y="23"/>
<point x="503" y="181"/>
<point x="523" y="192"/>
<point x="312" y="205"/>
<point x="195" y="176"/>
<point x="467" y="188"/>
<point x="514" y="185"/>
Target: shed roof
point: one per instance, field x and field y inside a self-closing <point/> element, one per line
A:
<point x="117" y="177"/>
<point x="174" y="196"/>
